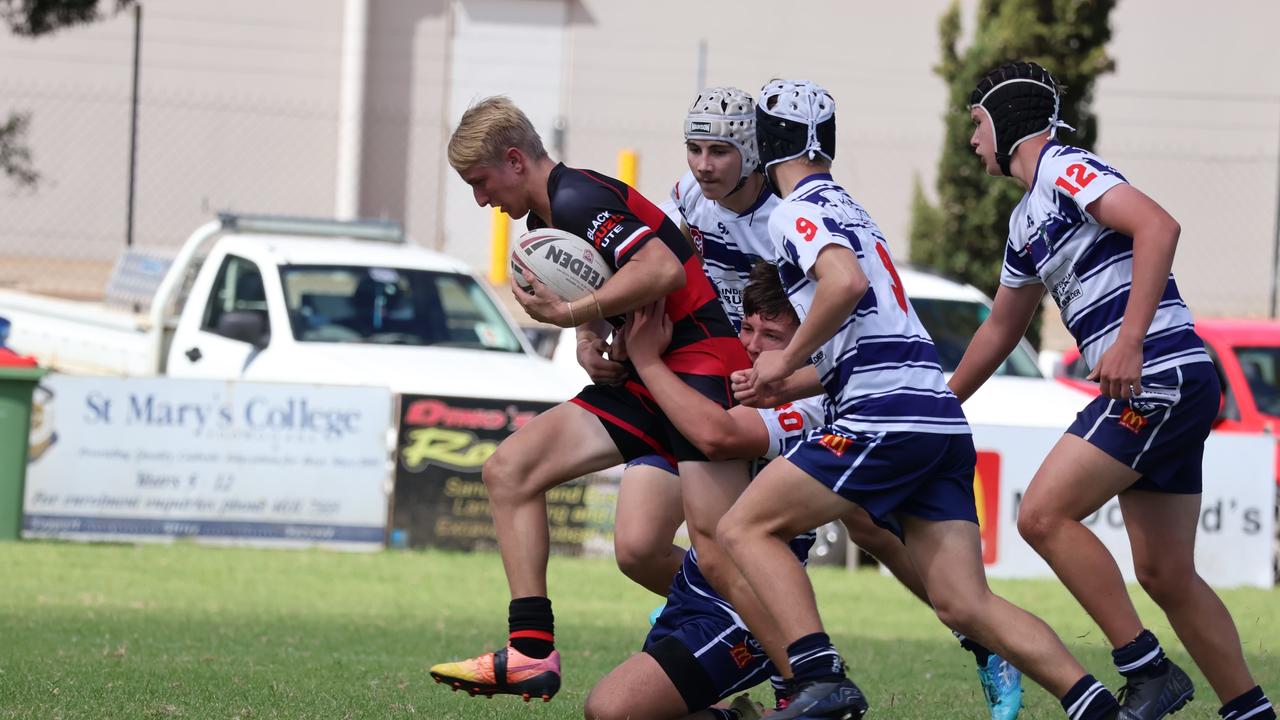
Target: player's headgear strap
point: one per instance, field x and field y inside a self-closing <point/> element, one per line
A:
<point x="795" y="118"/>
<point x="726" y="114"/>
<point x="1021" y="100"/>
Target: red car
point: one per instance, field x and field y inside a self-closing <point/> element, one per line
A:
<point x="1246" y="354"/>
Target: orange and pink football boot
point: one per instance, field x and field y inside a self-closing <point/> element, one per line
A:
<point x="503" y="672"/>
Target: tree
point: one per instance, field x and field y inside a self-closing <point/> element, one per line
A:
<point x="34" y="18"/>
<point x="962" y="236"/>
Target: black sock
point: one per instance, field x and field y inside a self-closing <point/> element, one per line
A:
<point x="1088" y="700"/>
<point x="980" y="653"/>
<point x="1142" y="654"/>
<point x="532" y="626"/>
<point x="814" y="659"/>
<point x="1253" y="705"/>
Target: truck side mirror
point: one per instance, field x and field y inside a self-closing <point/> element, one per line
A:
<point x="246" y="326"/>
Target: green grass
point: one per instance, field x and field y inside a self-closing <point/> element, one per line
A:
<point x="108" y="631"/>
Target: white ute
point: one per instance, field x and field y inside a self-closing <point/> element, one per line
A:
<point x="293" y="300"/>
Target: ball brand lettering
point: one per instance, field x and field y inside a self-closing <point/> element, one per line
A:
<point x="575" y="265"/>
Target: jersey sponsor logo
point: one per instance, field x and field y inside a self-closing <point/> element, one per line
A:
<point x="837" y="444"/>
<point x="731" y="296"/>
<point x="700" y="126"/>
<point x="1066" y="290"/>
<point x="603" y="229"/>
<point x="741" y="655"/>
<point x="1132" y="420"/>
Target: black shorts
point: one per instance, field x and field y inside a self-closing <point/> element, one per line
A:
<point x="636" y="423"/>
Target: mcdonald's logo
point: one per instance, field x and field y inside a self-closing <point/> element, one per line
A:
<point x="986" y="495"/>
<point x="1132" y="420"/>
<point x="835" y="443"/>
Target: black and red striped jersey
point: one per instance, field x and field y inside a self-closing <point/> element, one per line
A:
<point x="618" y="220"/>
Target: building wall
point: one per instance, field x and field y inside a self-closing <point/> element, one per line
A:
<point x="239" y="110"/>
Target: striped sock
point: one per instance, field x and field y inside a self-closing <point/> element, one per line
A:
<point x="814" y="659"/>
<point x="1252" y="705"/>
<point x="1140" y="655"/>
<point x="781" y="688"/>
<point x="1088" y="700"/>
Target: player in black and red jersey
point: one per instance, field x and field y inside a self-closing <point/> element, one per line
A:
<point x="496" y="150"/>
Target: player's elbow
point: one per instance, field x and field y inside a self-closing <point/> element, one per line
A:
<point x="714" y="442"/>
<point x="670" y="277"/>
<point x="849" y="292"/>
<point x="1173" y="231"/>
<point x="856" y="288"/>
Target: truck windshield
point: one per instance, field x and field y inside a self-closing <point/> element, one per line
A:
<point x="1261" y="368"/>
<point x="392" y="306"/>
<point x="952" y="323"/>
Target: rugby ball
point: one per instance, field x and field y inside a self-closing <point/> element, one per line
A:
<point x="564" y="262"/>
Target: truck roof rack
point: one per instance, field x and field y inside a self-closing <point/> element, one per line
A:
<point x="380" y="230"/>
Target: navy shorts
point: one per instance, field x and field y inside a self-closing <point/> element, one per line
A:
<point x="1161" y="433"/>
<point x="705" y="653"/>
<point x="636" y="424"/>
<point x="926" y="475"/>
<point x="655" y="461"/>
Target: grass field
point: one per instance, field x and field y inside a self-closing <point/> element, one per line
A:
<point x="178" y="631"/>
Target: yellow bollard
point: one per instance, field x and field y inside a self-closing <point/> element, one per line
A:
<point x="627" y="162"/>
<point x="499" y="259"/>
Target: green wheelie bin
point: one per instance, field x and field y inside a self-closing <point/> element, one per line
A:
<point x="18" y="378"/>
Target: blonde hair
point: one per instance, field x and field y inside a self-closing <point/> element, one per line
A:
<point x="487" y="129"/>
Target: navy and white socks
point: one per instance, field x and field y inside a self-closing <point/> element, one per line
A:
<point x="1252" y="705"/>
<point x="1143" y="654"/>
<point x="1089" y="700"/>
<point x="814" y="659"/>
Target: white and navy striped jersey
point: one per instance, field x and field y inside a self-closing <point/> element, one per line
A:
<point x="880" y="369"/>
<point x="729" y="242"/>
<point x="788" y="424"/>
<point x="1088" y="268"/>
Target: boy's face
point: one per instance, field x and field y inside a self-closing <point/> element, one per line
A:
<point x="760" y="333"/>
<point x="983" y="141"/>
<point x="501" y="185"/>
<point x="716" y="165"/>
